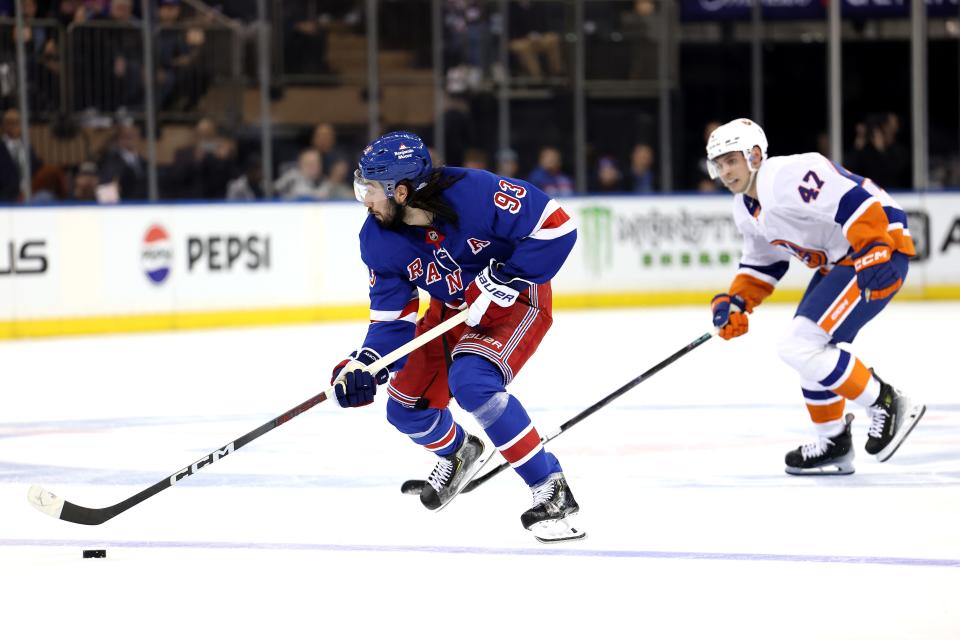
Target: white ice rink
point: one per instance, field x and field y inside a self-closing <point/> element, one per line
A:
<point x="694" y="531"/>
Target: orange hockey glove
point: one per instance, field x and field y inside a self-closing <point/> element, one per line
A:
<point x="729" y="316"/>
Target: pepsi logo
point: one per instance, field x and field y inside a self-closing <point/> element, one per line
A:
<point x="156" y="256"/>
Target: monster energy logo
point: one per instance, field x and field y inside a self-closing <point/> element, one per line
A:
<point x="660" y="239"/>
<point x="597" y="229"/>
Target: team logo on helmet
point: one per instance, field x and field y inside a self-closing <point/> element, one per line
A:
<point x="394" y="157"/>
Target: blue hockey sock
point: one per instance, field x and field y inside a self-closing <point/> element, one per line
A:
<point x="519" y="443"/>
<point x="478" y="386"/>
<point x="434" y="429"/>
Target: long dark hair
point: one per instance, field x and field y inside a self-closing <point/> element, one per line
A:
<point x="430" y="197"/>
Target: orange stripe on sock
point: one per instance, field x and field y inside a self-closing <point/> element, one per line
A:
<point x="823" y="413"/>
<point x="856" y="382"/>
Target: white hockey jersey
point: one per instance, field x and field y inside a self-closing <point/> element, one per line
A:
<point x="814" y="210"/>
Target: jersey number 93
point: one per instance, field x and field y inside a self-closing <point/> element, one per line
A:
<point x="508" y="202"/>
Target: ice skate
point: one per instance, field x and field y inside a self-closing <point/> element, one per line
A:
<point x="831" y="456"/>
<point x="453" y="472"/>
<point x="893" y="416"/>
<point x="549" y="519"/>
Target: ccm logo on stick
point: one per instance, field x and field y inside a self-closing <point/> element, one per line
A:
<point x="222" y="253"/>
<point x="210" y="459"/>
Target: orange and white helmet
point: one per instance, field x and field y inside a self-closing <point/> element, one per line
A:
<point x="741" y="135"/>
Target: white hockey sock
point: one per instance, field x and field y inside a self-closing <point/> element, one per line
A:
<point x="870" y="393"/>
<point x="829" y="429"/>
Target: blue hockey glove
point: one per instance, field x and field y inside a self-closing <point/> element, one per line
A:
<point x="492" y="294"/>
<point x="353" y="386"/>
<point x="729" y="316"/>
<point x="876" y="276"/>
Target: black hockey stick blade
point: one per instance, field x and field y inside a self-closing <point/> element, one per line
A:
<point x="412" y="487"/>
<point x="56" y="507"/>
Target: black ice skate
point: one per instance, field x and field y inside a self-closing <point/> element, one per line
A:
<point x="452" y="473"/>
<point x="549" y="517"/>
<point x="826" y="457"/>
<point x="893" y="417"/>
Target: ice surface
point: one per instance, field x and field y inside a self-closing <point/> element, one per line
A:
<point x="694" y="529"/>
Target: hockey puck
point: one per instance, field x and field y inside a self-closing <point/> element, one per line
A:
<point x="94" y="553"/>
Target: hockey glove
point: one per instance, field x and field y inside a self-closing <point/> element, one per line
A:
<point x="729" y="316"/>
<point x="353" y="386"/>
<point x="491" y="295"/>
<point x="876" y="276"/>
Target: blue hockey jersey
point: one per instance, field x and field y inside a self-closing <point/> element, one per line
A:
<point x="506" y="219"/>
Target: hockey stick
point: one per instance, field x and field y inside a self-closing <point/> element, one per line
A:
<point x="413" y="487"/>
<point x="57" y="507"/>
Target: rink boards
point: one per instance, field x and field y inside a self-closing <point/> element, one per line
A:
<point x="94" y="269"/>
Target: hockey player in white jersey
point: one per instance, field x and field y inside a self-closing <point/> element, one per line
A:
<point x="855" y="238"/>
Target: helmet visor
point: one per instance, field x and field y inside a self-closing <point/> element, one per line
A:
<point x="712" y="169"/>
<point x="365" y="190"/>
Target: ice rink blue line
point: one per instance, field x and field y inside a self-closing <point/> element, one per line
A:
<point x="570" y="552"/>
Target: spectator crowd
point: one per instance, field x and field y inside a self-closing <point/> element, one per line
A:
<point x="215" y="157"/>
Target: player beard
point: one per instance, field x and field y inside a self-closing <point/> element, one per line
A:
<point x="393" y="219"/>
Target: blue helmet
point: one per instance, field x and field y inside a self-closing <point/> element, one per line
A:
<point x="396" y="156"/>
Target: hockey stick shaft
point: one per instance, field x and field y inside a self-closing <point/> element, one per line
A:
<point x="59" y="508"/>
<point x="413" y="486"/>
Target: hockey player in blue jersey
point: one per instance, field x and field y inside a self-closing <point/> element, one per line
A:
<point x="471" y="239"/>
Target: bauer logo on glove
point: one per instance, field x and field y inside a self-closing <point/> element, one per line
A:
<point x="498" y="292"/>
<point x="492" y="285"/>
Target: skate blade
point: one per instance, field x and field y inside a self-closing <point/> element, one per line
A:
<point x="916" y="412"/>
<point x="828" y="470"/>
<point x="840" y="467"/>
<point x="485" y="457"/>
<point x="559" y="530"/>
